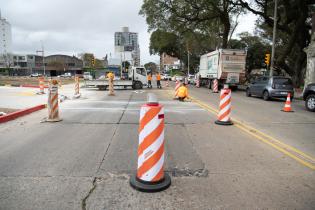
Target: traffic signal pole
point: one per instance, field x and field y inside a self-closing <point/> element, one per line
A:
<point x="273" y="38"/>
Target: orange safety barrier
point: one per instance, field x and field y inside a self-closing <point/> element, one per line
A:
<point x="224" y="108"/>
<point x="41" y="85"/>
<point x="53" y="104"/>
<point x="215" y="88"/>
<point x="150" y="175"/>
<point x="77" y="87"/>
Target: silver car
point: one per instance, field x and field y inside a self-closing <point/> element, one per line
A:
<point x="271" y="87"/>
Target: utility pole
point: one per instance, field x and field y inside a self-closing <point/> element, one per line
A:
<point x="43" y="54"/>
<point x="274" y="37"/>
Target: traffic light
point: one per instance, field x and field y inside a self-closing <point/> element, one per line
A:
<point x="267" y="59"/>
<point x="93" y="61"/>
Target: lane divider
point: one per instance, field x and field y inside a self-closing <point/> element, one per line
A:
<point x="286" y="149"/>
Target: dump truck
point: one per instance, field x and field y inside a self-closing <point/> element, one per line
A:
<point x="225" y="65"/>
<point x="137" y="79"/>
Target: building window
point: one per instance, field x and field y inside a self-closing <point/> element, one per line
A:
<point x="71" y="64"/>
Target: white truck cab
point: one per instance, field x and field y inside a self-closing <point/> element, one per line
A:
<point x="137" y="78"/>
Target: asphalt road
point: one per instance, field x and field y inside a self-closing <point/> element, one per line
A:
<point x="84" y="161"/>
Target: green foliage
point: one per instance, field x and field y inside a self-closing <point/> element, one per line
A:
<point x="256" y="49"/>
<point x="293" y="32"/>
<point x="151" y="66"/>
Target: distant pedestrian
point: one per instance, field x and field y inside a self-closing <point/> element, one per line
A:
<point x="158" y="81"/>
<point x="149" y="81"/>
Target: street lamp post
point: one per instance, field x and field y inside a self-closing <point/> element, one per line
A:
<point x="273" y="37"/>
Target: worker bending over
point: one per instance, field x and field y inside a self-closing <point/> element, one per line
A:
<point x="158" y="81"/>
<point x="182" y="92"/>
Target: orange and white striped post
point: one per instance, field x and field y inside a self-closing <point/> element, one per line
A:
<point x="150" y="175"/>
<point x="215" y="88"/>
<point x="166" y="84"/>
<point x="197" y="83"/>
<point x="53" y="103"/>
<point x="177" y="86"/>
<point x="41" y="85"/>
<point x="225" y="107"/>
<point x="77" y="87"/>
<point x="287" y="105"/>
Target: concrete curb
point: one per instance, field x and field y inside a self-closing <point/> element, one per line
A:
<point x="21" y="113"/>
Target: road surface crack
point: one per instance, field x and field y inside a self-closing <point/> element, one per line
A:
<point x="83" y="204"/>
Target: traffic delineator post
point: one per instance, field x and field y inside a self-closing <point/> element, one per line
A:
<point x="215" y="86"/>
<point x="177" y="86"/>
<point x="41" y="85"/>
<point x="287" y="105"/>
<point x="53" y="102"/>
<point x="166" y="84"/>
<point x="197" y="83"/>
<point x="150" y="176"/>
<point x="224" y="107"/>
<point x="77" y="87"/>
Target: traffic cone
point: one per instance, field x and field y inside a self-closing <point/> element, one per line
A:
<point x="150" y="175"/>
<point x="287" y="105"/>
<point x="53" y="104"/>
<point x="225" y="107"/>
<point x="215" y="86"/>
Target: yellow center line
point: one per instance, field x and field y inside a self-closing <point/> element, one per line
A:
<point x="286" y="149"/>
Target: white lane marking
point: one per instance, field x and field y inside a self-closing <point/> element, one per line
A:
<point x="128" y="109"/>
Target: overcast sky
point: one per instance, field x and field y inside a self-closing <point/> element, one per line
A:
<point x="72" y="26"/>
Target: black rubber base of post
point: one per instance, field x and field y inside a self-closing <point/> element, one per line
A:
<point x="223" y="122"/>
<point x="286" y="111"/>
<point x="144" y="186"/>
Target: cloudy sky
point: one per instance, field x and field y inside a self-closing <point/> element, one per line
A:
<point x="72" y="26"/>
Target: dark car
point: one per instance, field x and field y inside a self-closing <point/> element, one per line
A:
<point x="270" y="87"/>
<point x="309" y="97"/>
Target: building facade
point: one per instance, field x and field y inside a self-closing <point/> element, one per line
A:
<point x="127" y="46"/>
<point x="168" y="63"/>
<point x="5" y="43"/>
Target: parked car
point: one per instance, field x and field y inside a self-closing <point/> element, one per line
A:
<point x="179" y="78"/>
<point x="270" y="87"/>
<point x="309" y="97"/>
<point x="65" y="75"/>
<point x="191" y="79"/>
<point x="166" y="77"/>
<point x="87" y="76"/>
<point x="36" y="75"/>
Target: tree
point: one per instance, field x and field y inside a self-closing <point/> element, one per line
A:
<point x="151" y="66"/>
<point x="206" y="16"/>
<point x="293" y="32"/>
<point x="256" y="48"/>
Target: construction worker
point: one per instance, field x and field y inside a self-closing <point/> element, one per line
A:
<point x="111" y="77"/>
<point x="149" y="81"/>
<point x="158" y="81"/>
<point x="182" y="92"/>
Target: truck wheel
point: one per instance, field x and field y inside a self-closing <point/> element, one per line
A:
<point x="137" y="85"/>
<point x="310" y="103"/>
<point x="248" y="94"/>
